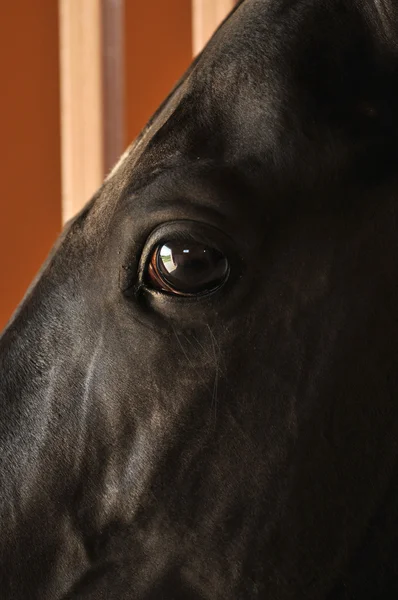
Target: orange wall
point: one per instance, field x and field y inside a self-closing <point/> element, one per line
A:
<point x="30" y="200"/>
<point x="158" y="48"/>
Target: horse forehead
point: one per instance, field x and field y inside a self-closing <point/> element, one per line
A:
<point x="251" y="88"/>
<point x="269" y="50"/>
<point x="250" y="74"/>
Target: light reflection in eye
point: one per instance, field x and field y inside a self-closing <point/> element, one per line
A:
<point x="166" y="254"/>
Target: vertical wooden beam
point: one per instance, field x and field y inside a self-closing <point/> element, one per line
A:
<point x="91" y="96"/>
<point x="113" y="18"/>
<point x="82" y="158"/>
<point x="206" y="16"/>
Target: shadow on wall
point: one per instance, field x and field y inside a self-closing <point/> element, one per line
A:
<point x="158" y="49"/>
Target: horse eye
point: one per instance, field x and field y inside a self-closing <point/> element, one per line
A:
<point x="187" y="268"/>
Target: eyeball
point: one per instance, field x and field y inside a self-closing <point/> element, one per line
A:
<point x="186" y="268"/>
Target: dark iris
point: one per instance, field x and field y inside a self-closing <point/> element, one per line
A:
<point x="187" y="268"/>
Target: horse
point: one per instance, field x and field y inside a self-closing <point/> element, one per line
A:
<point x="198" y="393"/>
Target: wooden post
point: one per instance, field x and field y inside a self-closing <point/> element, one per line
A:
<point x="206" y="16"/>
<point x="91" y="69"/>
<point x="113" y="27"/>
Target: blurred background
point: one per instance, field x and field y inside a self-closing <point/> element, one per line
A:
<point x="80" y="78"/>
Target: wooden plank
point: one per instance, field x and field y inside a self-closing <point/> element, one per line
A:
<point x="91" y="96"/>
<point x="206" y="16"/>
<point x="81" y="102"/>
<point x="113" y="50"/>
